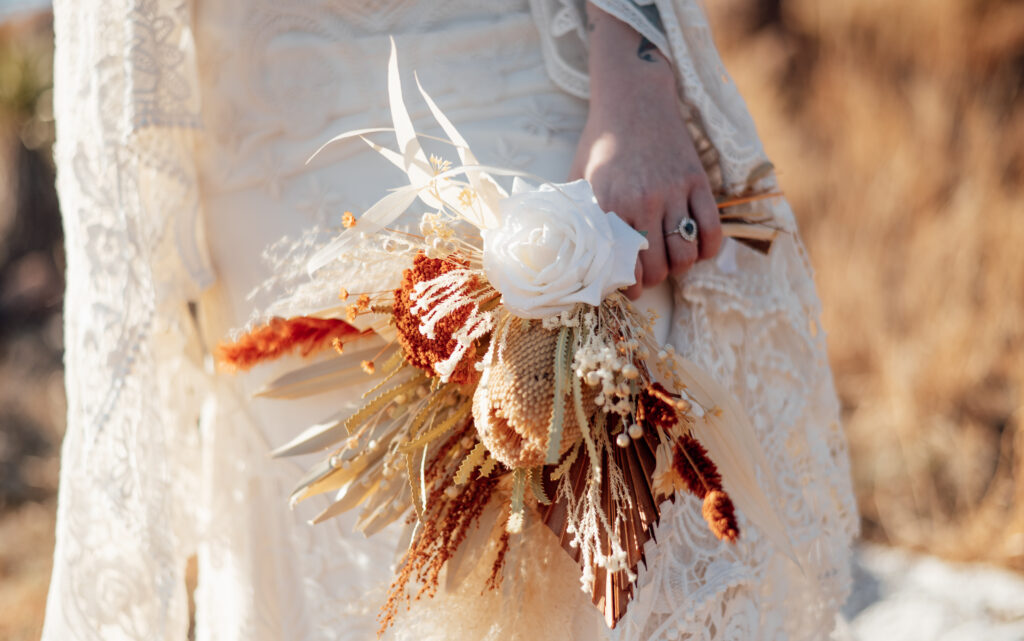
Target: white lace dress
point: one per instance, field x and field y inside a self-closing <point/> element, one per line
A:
<point x="183" y="130"/>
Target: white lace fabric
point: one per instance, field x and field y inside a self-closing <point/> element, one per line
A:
<point x="177" y="120"/>
<point x="128" y="190"/>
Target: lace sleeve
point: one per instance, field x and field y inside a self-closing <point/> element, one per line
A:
<point x="126" y="108"/>
<point x="680" y="29"/>
<point x="562" y="25"/>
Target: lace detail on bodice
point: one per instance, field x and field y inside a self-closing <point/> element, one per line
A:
<point x="168" y="111"/>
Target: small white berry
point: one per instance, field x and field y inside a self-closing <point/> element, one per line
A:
<point x="622" y="440"/>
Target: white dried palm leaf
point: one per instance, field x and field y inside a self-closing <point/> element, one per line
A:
<point x="328" y="476"/>
<point x="332" y="374"/>
<point x="352" y="494"/>
<point x="376" y="518"/>
<point x="732" y="443"/>
<point x="317" y="437"/>
<point x="381" y="214"/>
<point x="490" y="192"/>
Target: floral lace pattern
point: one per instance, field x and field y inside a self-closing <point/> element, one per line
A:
<point x="163" y="459"/>
<point x="128" y="192"/>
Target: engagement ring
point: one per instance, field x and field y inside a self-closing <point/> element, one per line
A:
<point x="687" y="229"/>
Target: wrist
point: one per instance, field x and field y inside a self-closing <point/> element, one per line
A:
<point x="613" y="91"/>
<point x="625" y="84"/>
<point x="622" y="63"/>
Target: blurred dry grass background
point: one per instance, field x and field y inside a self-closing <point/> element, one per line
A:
<point x="898" y="129"/>
<point x="31" y="284"/>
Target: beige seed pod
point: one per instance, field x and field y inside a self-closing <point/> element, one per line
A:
<point x="514" y="399"/>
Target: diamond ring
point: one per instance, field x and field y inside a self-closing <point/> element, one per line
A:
<point x="687" y="229"/>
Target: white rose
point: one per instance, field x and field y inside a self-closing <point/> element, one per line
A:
<point x="555" y="248"/>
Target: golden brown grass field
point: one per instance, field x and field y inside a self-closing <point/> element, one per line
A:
<point x="898" y="131"/>
<point x="898" y="128"/>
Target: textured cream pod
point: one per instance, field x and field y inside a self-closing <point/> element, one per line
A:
<point x="513" y="401"/>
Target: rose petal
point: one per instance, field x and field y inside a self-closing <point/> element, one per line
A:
<point x="556" y="248"/>
<point x="628" y="244"/>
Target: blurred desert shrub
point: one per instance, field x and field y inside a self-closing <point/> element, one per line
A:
<point x="898" y="128"/>
<point x="31" y="284"/>
<point x="31" y="264"/>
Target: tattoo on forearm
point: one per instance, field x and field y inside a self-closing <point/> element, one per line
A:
<point x="646" y="50"/>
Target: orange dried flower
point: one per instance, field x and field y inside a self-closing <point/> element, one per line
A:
<point x="444" y="526"/>
<point x="421" y="351"/>
<point x="498" y="568"/>
<point x="363" y="302"/>
<point x="368" y="367"/>
<point x="343" y="294"/>
<point x="718" y="511"/>
<point x="690" y="460"/>
<point x="280" y="336"/>
<point x="701" y="478"/>
<point x="348" y="220"/>
<point x="654" y="410"/>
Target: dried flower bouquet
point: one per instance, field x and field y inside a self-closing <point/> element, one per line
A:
<point x="509" y="370"/>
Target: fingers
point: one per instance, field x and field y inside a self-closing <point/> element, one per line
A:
<point x="633" y="291"/>
<point x="654" y="259"/>
<point x="657" y="213"/>
<point x="709" y="225"/>
<point x="682" y="253"/>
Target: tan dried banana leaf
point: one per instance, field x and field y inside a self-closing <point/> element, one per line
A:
<point x="324" y="477"/>
<point x="383" y="510"/>
<point x="749" y="231"/>
<point x="333" y="430"/>
<point x="351" y="495"/>
<point x="316" y="437"/>
<point x="341" y="371"/>
<point x="756" y="235"/>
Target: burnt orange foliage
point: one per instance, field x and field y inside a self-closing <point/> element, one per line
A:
<point x="421" y="351"/>
<point x="282" y="336"/>
<point x="444" y="526"/>
<point x="692" y="463"/>
<point x="654" y="409"/>
<point x="720" y="515"/>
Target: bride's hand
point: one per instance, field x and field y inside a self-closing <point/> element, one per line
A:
<point x="637" y="153"/>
